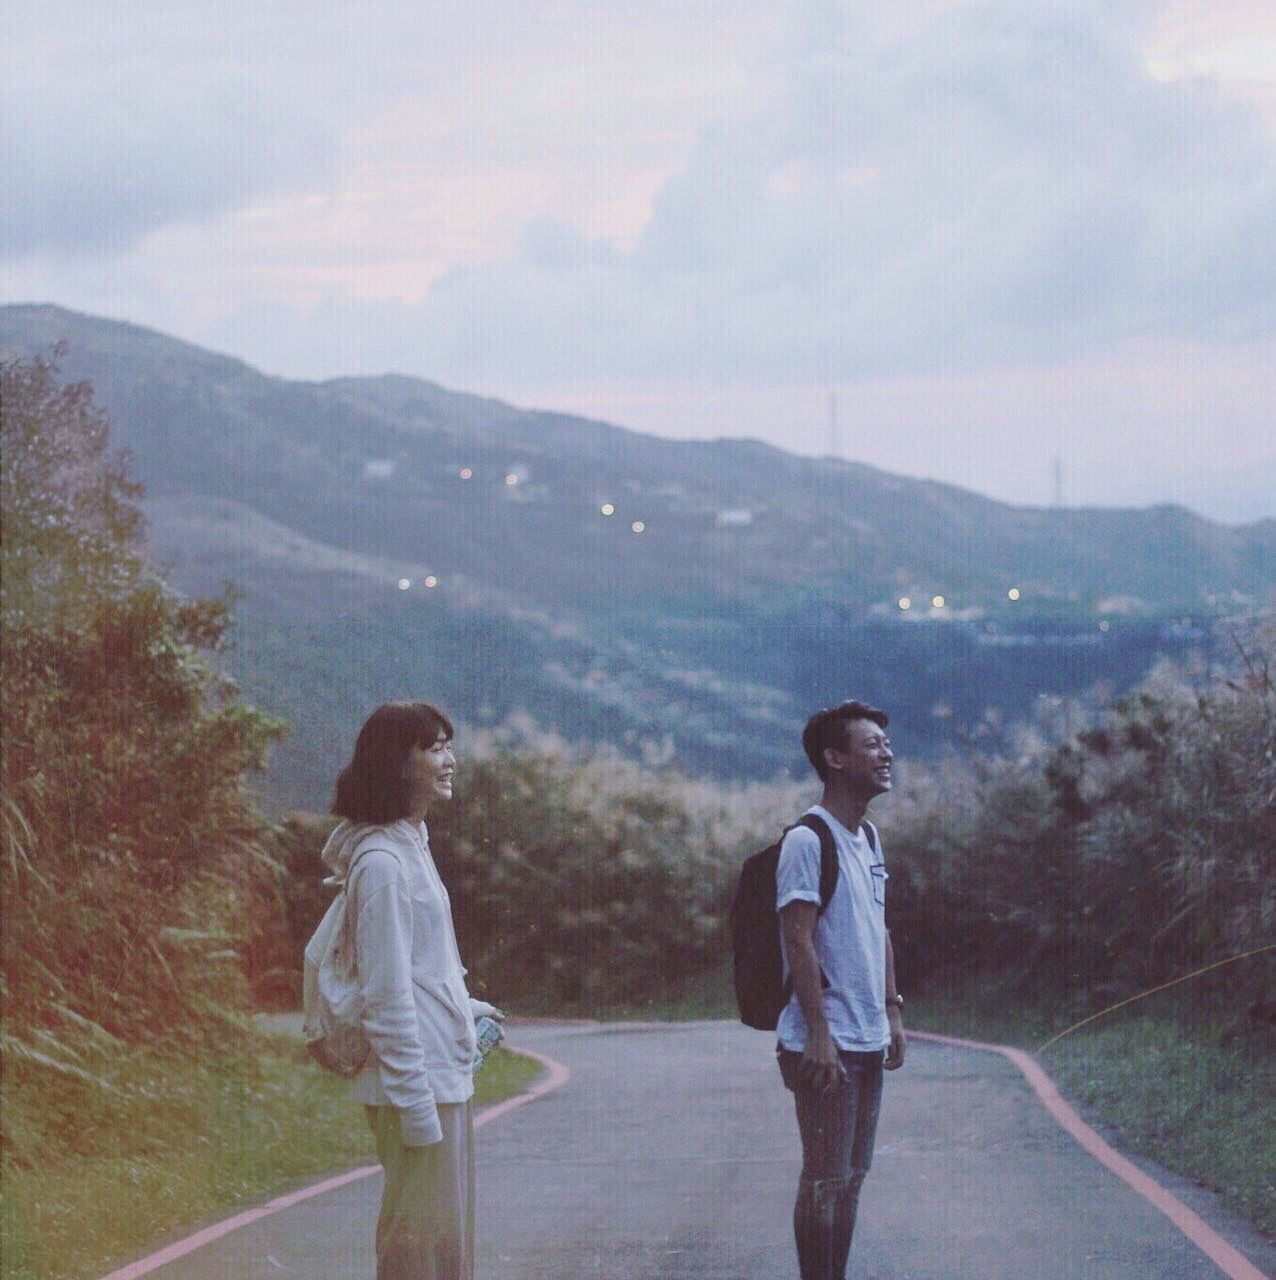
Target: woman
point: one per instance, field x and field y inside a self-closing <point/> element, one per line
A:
<point x="418" y="1084"/>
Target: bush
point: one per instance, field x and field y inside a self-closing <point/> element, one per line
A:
<point x="1128" y="855"/>
<point x="299" y="897"/>
<point x="1124" y="855"/>
<point x="133" y="853"/>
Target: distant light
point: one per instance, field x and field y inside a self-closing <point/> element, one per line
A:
<point x="637" y="526"/>
<point x="905" y="602"/>
<point x="431" y="581"/>
<point x="1104" y="625"/>
<point x="404" y="583"/>
<point x="607" y="509"/>
<point x="937" y="601"/>
<point x="467" y="473"/>
<point x="511" y="479"/>
<point x="1013" y="593"/>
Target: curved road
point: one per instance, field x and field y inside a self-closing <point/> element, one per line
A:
<point x="671" y="1152"/>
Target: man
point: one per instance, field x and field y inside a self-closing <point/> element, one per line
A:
<point x="844" y="1020"/>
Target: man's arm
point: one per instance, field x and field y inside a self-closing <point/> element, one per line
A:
<point x="894" y="1014"/>
<point x="797" y="924"/>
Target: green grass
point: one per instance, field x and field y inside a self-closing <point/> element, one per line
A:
<point x="987" y="1011"/>
<point x="1175" y="1081"/>
<point x="1192" y="1098"/>
<point x="96" y="1173"/>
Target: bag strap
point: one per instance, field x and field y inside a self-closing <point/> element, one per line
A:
<point x="367" y="843"/>
<point x="828" y="882"/>
<point x="828" y="855"/>
<point x="360" y="850"/>
<point x="346" y="934"/>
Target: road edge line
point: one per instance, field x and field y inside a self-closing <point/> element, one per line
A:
<point x="558" y="1076"/>
<point x="1224" y="1255"/>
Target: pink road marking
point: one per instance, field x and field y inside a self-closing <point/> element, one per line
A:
<point x="558" y="1076"/>
<point x="1226" y="1257"/>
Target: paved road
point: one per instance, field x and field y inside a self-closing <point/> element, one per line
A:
<point x="672" y="1154"/>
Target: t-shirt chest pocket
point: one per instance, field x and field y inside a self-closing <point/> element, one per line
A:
<point x="878" y="875"/>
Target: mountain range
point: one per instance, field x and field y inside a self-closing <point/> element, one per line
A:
<point x="545" y="575"/>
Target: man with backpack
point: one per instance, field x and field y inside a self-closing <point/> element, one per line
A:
<point x="842" y="1021"/>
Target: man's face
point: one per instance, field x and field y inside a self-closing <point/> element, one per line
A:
<point x="865" y="760"/>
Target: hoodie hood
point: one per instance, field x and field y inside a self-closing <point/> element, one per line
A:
<point x="340" y="849"/>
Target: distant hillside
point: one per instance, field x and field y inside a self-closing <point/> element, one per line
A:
<point x="759" y="582"/>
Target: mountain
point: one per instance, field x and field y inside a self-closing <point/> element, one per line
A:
<point x="732" y="587"/>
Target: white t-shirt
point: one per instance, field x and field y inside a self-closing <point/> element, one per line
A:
<point x="850" y="935"/>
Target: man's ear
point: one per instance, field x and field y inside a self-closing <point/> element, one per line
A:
<point x="833" y="759"/>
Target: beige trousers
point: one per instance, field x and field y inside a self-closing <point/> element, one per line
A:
<point x="426" y="1227"/>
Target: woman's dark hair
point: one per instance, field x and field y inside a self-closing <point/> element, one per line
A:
<point x="372" y="787"/>
<point x="827" y="728"/>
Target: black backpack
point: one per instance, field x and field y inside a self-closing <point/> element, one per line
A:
<point x="757" y="965"/>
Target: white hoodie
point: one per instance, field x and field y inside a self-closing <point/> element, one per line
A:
<point x="417" y="1014"/>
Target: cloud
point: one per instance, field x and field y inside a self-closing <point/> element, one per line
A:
<point x="96" y="162"/>
<point x="937" y="187"/>
<point x="1006" y="183"/>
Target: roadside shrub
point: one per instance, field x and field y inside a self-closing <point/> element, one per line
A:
<point x="133" y="854"/>
<point x="1127" y="855"/>
<point x="299" y="897"/>
<point x="1081" y="867"/>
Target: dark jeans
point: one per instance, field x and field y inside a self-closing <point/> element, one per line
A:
<point x="838" y="1128"/>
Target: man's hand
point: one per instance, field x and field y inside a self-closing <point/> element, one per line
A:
<point x="820" y="1064"/>
<point x="899" y="1041"/>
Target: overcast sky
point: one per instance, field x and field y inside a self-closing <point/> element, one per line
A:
<point x="992" y="234"/>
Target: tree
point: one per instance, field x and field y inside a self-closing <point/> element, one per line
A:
<point x="133" y="851"/>
<point x="69" y="532"/>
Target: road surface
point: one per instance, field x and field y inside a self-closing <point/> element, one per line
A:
<point x="672" y="1152"/>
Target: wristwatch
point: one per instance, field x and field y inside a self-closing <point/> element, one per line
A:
<point x="897" y="1000"/>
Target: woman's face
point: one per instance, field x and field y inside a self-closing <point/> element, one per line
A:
<point x="429" y="774"/>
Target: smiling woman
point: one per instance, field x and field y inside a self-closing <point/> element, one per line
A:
<point x="417" y="1084"/>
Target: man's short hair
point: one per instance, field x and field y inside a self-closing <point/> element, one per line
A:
<point x="827" y="728"/>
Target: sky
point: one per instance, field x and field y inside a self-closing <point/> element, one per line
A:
<point x="1017" y="245"/>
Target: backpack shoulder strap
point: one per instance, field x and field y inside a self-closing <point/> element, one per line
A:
<point x="873" y="842"/>
<point x="828" y="855"/>
<point x="373" y="842"/>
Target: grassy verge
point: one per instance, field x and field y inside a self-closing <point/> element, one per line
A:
<point x="98" y="1167"/>
<point x="1191" y="1098"/>
<point x="1175" y="1082"/>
